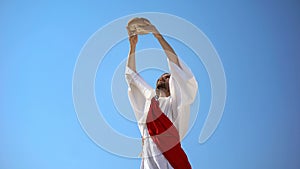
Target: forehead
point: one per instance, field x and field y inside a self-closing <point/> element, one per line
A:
<point x="166" y="75"/>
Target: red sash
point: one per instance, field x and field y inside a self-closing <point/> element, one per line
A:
<point x="165" y="135"/>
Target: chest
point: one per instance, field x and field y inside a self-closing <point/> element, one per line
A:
<point x="166" y="107"/>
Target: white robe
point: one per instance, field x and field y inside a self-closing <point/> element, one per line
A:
<point x="183" y="89"/>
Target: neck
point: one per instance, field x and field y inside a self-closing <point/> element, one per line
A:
<point x="162" y="93"/>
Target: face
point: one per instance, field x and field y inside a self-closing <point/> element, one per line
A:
<point x="163" y="83"/>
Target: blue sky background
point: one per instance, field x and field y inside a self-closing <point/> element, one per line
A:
<point x="257" y="41"/>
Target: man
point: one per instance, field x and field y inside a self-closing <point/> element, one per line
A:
<point x="162" y="113"/>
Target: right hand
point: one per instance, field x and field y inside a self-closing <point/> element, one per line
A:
<point x="133" y="40"/>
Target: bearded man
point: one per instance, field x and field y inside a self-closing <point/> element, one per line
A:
<point x="162" y="113"/>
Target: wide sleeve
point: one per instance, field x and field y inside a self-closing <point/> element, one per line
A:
<point x="183" y="85"/>
<point x="183" y="89"/>
<point x="138" y="92"/>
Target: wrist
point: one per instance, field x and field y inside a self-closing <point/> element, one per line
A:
<point x="157" y="35"/>
<point x="132" y="47"/>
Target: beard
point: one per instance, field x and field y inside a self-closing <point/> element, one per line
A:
<point x="162" y="86"/>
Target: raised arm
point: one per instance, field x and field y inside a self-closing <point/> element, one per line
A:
<point x="131" y="56"/>
<point x="167" y="48"/>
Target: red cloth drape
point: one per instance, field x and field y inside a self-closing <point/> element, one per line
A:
<point x="165" y="135"/>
